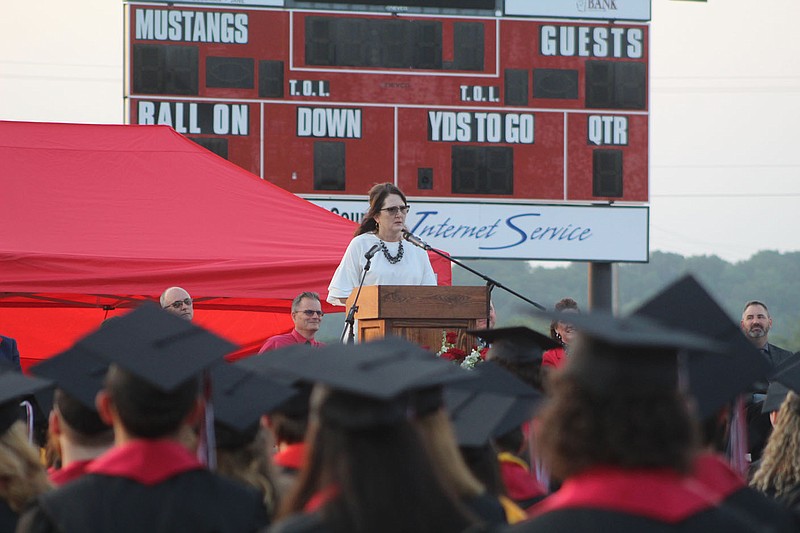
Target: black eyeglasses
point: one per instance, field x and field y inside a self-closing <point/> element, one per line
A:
<point x="397" y="209"/>
<point x="311" y="312"/>
<point x="178" y="303"/>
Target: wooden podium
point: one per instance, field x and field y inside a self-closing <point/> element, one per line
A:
<point x="419" y="313"/>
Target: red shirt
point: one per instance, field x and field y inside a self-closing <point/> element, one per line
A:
<point x="287" y="339"/>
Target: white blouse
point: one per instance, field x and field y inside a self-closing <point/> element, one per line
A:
<point x="413" y="269"/>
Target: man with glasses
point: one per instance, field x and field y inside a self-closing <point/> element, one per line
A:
<point x="307" y="317"/>
<point x="177" y="301"/>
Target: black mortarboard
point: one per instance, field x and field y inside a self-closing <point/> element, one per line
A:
<point x="516" y="344"/>
<point x="789" y="374"/>
<point x="381" y="369"/>
<point x="14" y="387"/>
<point x="787" y="378"/>
<point x="161" y="348"/>
<point x="265" y="364"/>
<point x="489" y="406"/>
<point x="630" y="355"/>
<point x="77" y="372"/>
<point x="776" y="394"/>
<point x="240" y="397"/>
<point x="714" y="378"/>
<point x="477" y="418"/>
<point x="297" y="405"/>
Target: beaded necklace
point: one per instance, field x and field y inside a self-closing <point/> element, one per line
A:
<point x="389" y="257"/>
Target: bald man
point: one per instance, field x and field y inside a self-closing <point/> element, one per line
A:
<point x="177" y="301"/>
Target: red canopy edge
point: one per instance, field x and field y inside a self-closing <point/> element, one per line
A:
<point x="101" y="217"/>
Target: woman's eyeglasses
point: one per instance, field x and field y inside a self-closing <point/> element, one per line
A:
<point x="396" y="209"/>
<point x="178" y="303"/>
<point x="311" y="312"/>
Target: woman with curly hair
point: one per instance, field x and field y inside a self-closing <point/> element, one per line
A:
<point x="779" y="473"/>
<point x="561" y="332"/>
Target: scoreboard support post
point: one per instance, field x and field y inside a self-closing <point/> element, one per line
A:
<point x="601" y="286"/>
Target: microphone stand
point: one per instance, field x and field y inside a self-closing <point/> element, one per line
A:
<point x="349" y="322"/>
<point x="490" y="283"/>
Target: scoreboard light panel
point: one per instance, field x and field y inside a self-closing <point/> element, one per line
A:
<point x="328" y="103"/>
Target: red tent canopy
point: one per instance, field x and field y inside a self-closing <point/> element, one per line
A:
<point x="96" y="218"/>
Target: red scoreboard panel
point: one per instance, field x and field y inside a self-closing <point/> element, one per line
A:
<point x="330" y="102"/>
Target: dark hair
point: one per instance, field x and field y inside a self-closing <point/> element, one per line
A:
<point x="581" y="429"/>
<point x="145" y="410"/>
<point x="517" y="358"/>
<point x="511" y="442"/>
<point x="755" y="302"/>
<point x="715" y="430"/>
<point x="377" y="195"/>
<point x="482" y="462"/>
<point x="384" y="478"/>
<point x="561" y="305"/>
<point x="289" y="429"/>
<point x="86" y="425"/>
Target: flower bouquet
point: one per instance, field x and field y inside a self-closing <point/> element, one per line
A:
<point x="457" y="355"/>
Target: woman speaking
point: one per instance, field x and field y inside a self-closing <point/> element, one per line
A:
<point x="393" y="263"/>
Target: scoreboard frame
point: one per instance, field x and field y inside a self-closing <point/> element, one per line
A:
<point x="462" y="108"/>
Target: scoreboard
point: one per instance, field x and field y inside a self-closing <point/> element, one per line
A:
<point x="456" y="105"/>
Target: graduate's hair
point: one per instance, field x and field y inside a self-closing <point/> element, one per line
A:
<point x="288" y="429"/>
<point x="581" y="429"/>
<point x="515" y="357"/>
<point x="21" y="470"/>
<point x="437" y="436"/>
<point x="383" y="477"/>
<point x="482" y="462"/>
<point x="377" y="196"/>
<point x="512" y="441"/>
<point x="249" y="463"/>
<point x="80" y="424"/>
<point x="145" y="410"/>
<point x="780" y="463"/>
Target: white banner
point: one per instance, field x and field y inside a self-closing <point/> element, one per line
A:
<point x="581" y="9"/>
<point x="522" y="231"/>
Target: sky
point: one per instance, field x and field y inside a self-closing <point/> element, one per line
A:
<point x="724" y="109"/>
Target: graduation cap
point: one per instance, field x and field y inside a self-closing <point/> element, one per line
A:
<point x="714" y="377"/>
<point x="77" y="372"/>
<point x="380" y="369"/>
<point x="776" y="394"/>
<point x="297" y="405"/>
<point x="516" y="344"/>
<point x="240" y="397"/>
<point x="268" y="363"/>
<point x="162" y="349"/>
<point x="786" y="379"/>
<point x="14" y="387"/>
<point x="367" y="385"/>
<point x="634" y="355"/>
<point x="491" y="405"/>
<point x="79" y="376"/>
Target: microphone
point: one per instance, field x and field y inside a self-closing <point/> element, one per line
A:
<point x="372" y="251"/>
<point x="416" y="241"/>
